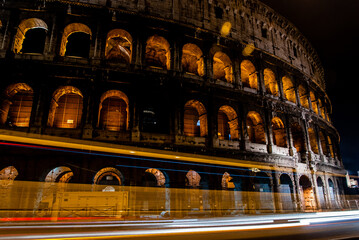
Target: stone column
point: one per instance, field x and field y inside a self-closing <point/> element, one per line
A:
<point x="268" y="129"/>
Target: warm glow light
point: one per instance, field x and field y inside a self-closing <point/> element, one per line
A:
<point x="247" y="51"/>
<point x="226" y="29"/>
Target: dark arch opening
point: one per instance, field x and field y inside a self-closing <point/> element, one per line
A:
<point x="78" y="45"/>
<point x="34" y="41"/>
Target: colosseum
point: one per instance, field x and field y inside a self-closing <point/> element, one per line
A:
<point x="209" y="95"/>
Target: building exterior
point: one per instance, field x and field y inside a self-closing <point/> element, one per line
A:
<point x="210" y="94"/>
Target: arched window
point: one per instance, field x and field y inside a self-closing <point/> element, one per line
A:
<point x="16" y="108"/>
<point x="108" y="176"/>
<point x="298" y="137"/>
<point x="308" y="199"/>
<point x="119" y="46"/>
<point x="192" y="59"/>
<point x="286" y="191"/>
<point x="59" y="174"/>
<point x="303" y="96"/>
<point x="255" y="128"/>
<point x="227" y="182"/>
<point x="321" y="192"/>
<point x="222" y="67"/>
<point x="227" y="123"/>
<point x="195" y="119"/>
<point x="76" y="40"/>
<point x="322" y="108"/>
<point x="323" y="143"/>
<point x="331" y="150"/>
<point x="114" y="111"/>
<point x="193" y="179"/>
<point x="30" y="36"/>
<point x="270" y="82"/>
<point x="313" y="140"/>
<point x="279" y="133"/>
<point x="249" y="75"/>
<point x="8" y="173"/>
<point x="158" y="52"/>
<point x="314" y="102"/>
<point x="66" y="108"/>
<point x="288" y="89"/>
<point x="160" y="177"/>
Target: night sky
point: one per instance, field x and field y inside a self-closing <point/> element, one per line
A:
<point x="332" y="27"/>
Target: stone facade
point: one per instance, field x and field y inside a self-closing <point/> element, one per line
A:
<point x="160" y="75"/>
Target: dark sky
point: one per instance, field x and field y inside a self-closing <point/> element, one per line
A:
<point x="332" y="27"/>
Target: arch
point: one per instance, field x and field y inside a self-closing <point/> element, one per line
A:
<point x="308" y="200"/>
<point x="322" y="108"/>
<point x="249" y="74"/>
<point x="255" y="128"/>
<point x="71" y="29"/>
<point x="332" y="193"/>
<point x="109" y="173"/>
<point x="298" y="137"/>
<point x="279" y="132"/>
<point x="323" y="143"/>
<point x="314" y="102"/>
<point x="36" y="41"/>
<point x="227" y="182"/>
<point x="8" y="173"/>
<point x="288" y="89"/>
<point x="65" y="108"/>
<point x="158" y="52"/>
<point x="222" y="67"/>
<point x="263" y="197"/>
<point x="286" y="192"/>
<point x="160" y="177"/>
<point x="195" y="119"/>
<point x="192" y="59"/>
<point x="303" y="96"/>
<point x="114" y="111"/>
<point x="321" y="193"/>
<point x="16" y="107"/>
<point x="60" y="174"/>
<point x="313" y="140"/>
<point x="330" y="144"/>
<point x="193" y="179"/>
<point x="270" y="82"/>
<point x="119" y="46"/>
<point x="227" y="123"/>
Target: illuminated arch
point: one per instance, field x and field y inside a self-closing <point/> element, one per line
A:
<point x="308" y="199"/>
<point x="65" y="108"/>
<point x="227" y="123"/>
<point x="222" y="67"/>
<point x="114" y="111"/>
<point x="314" y="102"/>
<point x="193" y="179"/>
<point x="322" y="108"/>
<point x="331" y="150"/>
<point x="255" y="128"/>
<point x="71" y="29"/>
<point x="16" y="108"/>
<point x="195" y="114"/>
<point x="192" y="59"/>
<point x="160" y="177"/>
<point x="25" y="26"/>
<point x="313" y="140"/>
<point x="288" y="89"/>
<point x="119" y="46"/>
<point x="8" y="173"/>
<point x="279" y="132"/>
<point x="323" y="143"/>
<point x="108" y="171"/>
<point x="227" y="181"/>
<point x="249" y="74"/>
<point x="158" y="52"/>
<point x="60" y="174"/>
<point x="303" y="96"/>
<point x="270" y="82"/>
<point x="298" y="137"/>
